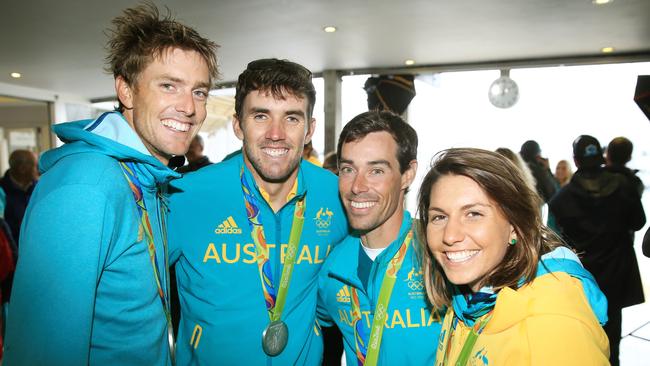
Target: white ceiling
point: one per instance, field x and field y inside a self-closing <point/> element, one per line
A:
<point x="58" y="45"/>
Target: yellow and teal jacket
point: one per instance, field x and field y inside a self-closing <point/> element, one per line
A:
<point x="84" y="291"/>
<point x="411" y="331"/>
<point x="547" y="322"/>
<point x="222" y="302"/>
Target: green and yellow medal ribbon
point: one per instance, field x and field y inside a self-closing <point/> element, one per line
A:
<point x="465" y="352"/>
<point x="274" y="300"/>
<point x="367" y="348"/>
<point x="128" y="168"/>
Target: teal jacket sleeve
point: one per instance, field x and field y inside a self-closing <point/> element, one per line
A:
<point x="322" y="315"/>
<point x="174" y="227"/>
<point x="51" y="312"/>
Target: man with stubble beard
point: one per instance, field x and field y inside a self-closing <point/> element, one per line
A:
<point x="371" y="285"/>
<point x="250" y="234"/>
<point x="91" y="283"/>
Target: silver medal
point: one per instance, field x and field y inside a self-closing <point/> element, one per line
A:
<point x="275" y="337"/>
<point x="172" y="344"/>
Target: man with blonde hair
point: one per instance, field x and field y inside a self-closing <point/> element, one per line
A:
<point x="91" y="283"/>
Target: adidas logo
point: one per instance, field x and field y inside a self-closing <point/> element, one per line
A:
<point x="228" y="226"/>
<point x="343" y="295"/>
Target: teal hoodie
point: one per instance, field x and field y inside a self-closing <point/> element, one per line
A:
<point x="412" y="329"/>
<point x="84" y="291"/>
<point x="219" y="286"/>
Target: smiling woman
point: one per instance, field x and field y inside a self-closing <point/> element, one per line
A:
<point x="515" y="294"/>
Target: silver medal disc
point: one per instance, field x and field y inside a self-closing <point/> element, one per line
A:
<point x="275" y="337"/>
<point x="172" y="344"/>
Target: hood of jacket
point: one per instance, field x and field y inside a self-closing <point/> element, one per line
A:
<point x="110" y="135"/>
<point x="597" y="184"/>
<point x="556" y="294"/>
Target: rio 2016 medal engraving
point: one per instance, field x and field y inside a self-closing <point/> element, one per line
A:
<point x="275" y="337"/>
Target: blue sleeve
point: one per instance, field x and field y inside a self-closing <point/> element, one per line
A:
<point x="174" y="227"/>
<point x="51" y="312"/>
<point x="323" y="316"/>
<point x="342" y="227"/>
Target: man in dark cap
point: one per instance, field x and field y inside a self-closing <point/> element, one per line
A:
<point x="544" y="181"/>
<point x="597" y="213"/>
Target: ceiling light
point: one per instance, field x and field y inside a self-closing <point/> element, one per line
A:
<point x="409" y="62"/>
<point x="600" y="2"/>
<point x="15" y="75"/>
<point x="329" y="29"/>
<point x="607" y="49"/>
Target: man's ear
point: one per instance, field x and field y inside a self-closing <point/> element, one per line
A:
<point x="236" y="127"/>
<point x="124" y="92"/>
<point x="311" y="127"/>
<point x="409" y="174"/>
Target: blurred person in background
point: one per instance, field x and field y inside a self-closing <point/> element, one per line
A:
<point x="331" y="162"/>
<point x="310" y="154"/>
<point x="18" y="184"/>
<point x="544" y="180"/>
<point x="597" y="214"/>
<point x="563" y="172"/>
<point x="617" y="155"/>
<point x="520" y="163"/>
<point x="195" y="158"/>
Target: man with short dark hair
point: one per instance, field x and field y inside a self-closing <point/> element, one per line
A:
<point x="250" y="234"/>
<point x="18" y="185"/>
<point x="376" y="267"/>
<point x="617" y="155"/>
<point x="597" y="213"/>
<point x="91" y="283"/>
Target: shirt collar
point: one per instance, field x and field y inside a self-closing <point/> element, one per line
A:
<point x="291" y="195"/>
<point x="297" y="190"/>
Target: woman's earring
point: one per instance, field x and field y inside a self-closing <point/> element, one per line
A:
<point x="513" y="242"/>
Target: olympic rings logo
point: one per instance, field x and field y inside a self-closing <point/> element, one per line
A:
<point x="322" y="224"/>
